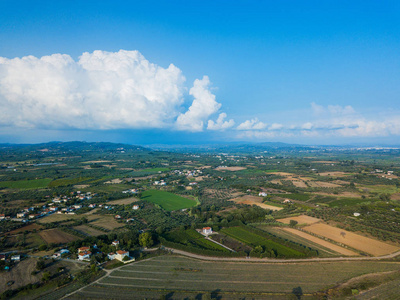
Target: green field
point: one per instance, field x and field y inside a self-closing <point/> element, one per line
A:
<point x="253" y="239"/>
<point x="167" y="201"/>
<point x="300" y="197"/>
<point x="322" y="251"/>
<point x="192" y="238"/>
<point x="26" y="184"/>
<point x="67" y="181"/>
<point x="227" y="280"/>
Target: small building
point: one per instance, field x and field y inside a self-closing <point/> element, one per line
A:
<point x="118" y="217"/>
<point x="115" y="243"/>
<point x="83" y="249"/>
<point x="84" y="255"/>
<point x="135" y="207"/>
<point x="121" y="254"/>
<point x="2" y="216"/>
<point x="21" y="215"/>
<point x="111" y="255"/>
<point x="207" y="230"/>
<point x="356" y="214"/>
<point x="287" y="201"/>
<point x="262" y="194"/>
<point x="2" y="257"/>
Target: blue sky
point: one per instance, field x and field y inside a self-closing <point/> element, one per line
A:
<point x="311" y="72"/>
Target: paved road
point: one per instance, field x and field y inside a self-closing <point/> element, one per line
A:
<point x="276" y="260"/>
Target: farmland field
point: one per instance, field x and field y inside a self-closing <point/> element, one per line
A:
<point x="325" y="249"/>
<point x="123" y="201"/>
<point x="321" y="242"/>
<point x="303" y="219"/>
<point x="26" y="184"/>
<point x="167" y="201"/>
<point x="254" y="200"/>
<point x="353" y="240"/>
<point x="89" y="230"/>
<point x="250" y="238"/>
<point x="57" y="236"/>
<point x="236" y="280"/>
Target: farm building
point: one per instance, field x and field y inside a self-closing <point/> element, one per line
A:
<point x="84" y="255"/>
<point x="121" y="254"/>
<point x="83" y="249"/>
<point x="207" y="230"/>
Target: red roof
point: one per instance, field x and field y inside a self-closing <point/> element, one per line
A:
<point x="122" y="252"/>
<point x="83" y="249"/>
<point x="85" y="253"/>
<point x="206" y="228"/>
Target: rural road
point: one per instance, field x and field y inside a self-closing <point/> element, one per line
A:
<point x="276" y="260"/>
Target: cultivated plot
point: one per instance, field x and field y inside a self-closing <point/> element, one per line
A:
<point x="353" y="240"/>
<point x="174" y="273"/>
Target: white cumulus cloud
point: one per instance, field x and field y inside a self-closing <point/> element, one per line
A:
<point x="220" y="124"/>
<point x="100" y="90"/>
<point x="253" y="124"/>
<point x="203" y="106"/>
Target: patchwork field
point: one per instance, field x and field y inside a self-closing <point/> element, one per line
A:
<point x="230" y="168"/>
<point x="57" y="236"/>
<point x="367" y="245"/>
<point x="227" y="280"/>
<point x="302" y="219"/>
<point x="324" y="248"/>
<point x="123" y="201"/>
<point x="254" y="200"/>
<point x="89" y="230"/>
<point x="26" y="184"/>
<point x="167" y="201"/>
<point x="321" y="242"/>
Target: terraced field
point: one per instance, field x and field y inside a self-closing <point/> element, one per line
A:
<point x="177" y="274"/>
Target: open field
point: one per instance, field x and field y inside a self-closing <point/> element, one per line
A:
<point x="105" y="221"/>
<point x="367" y="245"/>
<point x="230" y="168"/>
<point x="89" y="230"/>
<point x="253" y="239"/>
<point x="334" y="174"/>
<point x="123" y="201"/>
<point x="323" y="184"/>
<point x="254" y="200"/>
<point x="302" y="219"/>
<point x="30" y="227"/>
<point x="324" y="248"/>
<point x="174" y="273"/>
<point x="321" y="242"/>
<point x="26" y="184"/>
<point x="57" y="236"/>
<point x="167" y="201"/>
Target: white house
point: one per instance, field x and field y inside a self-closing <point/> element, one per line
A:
<point x="84" y="255"/>
<point x="207" y="230"/>
<point x="111" y="255"/>
<point x="356" y="214"/>
<point x="121" y="254"/>
<point x="262" y="194"/>
<point x="115" y="243"/>
<point x="135" y="207"/>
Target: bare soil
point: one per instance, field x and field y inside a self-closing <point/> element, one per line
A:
<point x="230" y="168"/>
<point x="124" y="201"/>
<point x="356" y="241"/>
<point x="321" y="242"/>
<point x="302" y="219"/>
<point x="57" y="236"/>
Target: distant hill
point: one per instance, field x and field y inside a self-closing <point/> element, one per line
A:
<point x="73" y="147"/>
